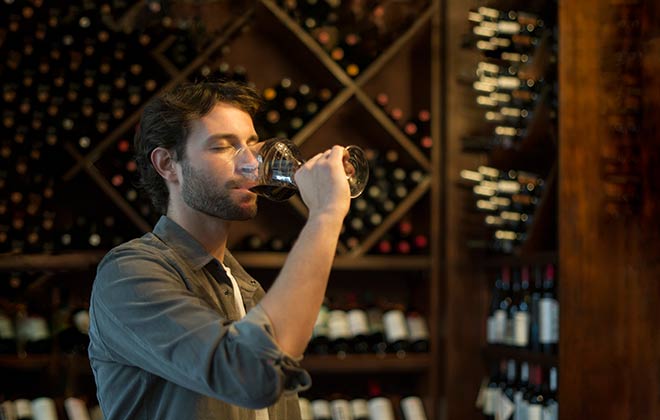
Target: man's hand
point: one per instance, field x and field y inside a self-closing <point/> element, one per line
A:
<point x="323" y="185"/>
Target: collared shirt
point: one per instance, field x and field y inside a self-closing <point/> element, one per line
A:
<point x="167" y="340"/>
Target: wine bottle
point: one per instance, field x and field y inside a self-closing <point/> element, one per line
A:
<point x="413" y="408"/>
<point x="7" y="334"/>
<point x="551" y="404"/>
<point x="549" y="313"/>
<point x="359" y="409"/>
<point x="491" y="393"/>
<point x="496" y="322"/>
<point x="340" y="409"/>
<point x="76" y="409"/>
<point x="321" y="409"/>
<point x="43" y="408"/>
<point x="339" y="332"/>
<point x="320" y="341"/>
<point x="534" y="397"/>
<point x="520" y="409"/>
<point x="32" y="333"/>
<point x="419" y="332"/>
<point x="8" y="410"/>
<point x="359" y="328"/>
<point x="377" y="341"/>
<point x="381" y="408"/>
<point x="396" y="331"/>
<point x="23" y="409"/>
<point x="306" y="412"/>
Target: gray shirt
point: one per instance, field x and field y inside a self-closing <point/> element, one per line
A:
<point x="167" y="341"/>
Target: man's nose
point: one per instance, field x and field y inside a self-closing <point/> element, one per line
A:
<point x="246" y="162"/>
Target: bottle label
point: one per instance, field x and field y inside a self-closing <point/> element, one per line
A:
<point x="395" y="326"/>
<point x="33" y="329"/>
<point x="381" y="408"/>
<point x="417" y="328"/>
<point x="338" y="326"/>
<point x="548" y="320"/>
<point x="341" y="410"/>
<point x="23" y="409"/>
<point x="534" y="412"/>
<point x="360" y="408"/>
<point x="6" y="328"/>
<point x="306" y="412"/>
<point x="76" y="409"/>
<point x="358" y="322"/>
<point x="44" y="408"/>
<point x="500" y="325"/>
<point x="413" y="409"/>
<point x="321" y="409"/>
<point x="491" y="395"/>
<point x="521" y="329"/>
<point x="505" y="407"/>
<point x="520" y="411"/>
<point x="551" y="411"/>
<point x="491" y="330"/>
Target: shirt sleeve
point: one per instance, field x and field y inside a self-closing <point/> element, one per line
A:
<point x="143" y="315"/>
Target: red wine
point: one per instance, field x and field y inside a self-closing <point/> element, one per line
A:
<point x="274" y="192"/>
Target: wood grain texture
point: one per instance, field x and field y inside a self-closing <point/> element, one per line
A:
<point x="609" y="271"/>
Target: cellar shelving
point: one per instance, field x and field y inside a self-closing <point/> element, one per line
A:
<point x="348" y="364"/>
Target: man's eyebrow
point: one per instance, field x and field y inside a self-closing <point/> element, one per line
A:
<point x="230" y="137"/>
<point x="221" y="136"/>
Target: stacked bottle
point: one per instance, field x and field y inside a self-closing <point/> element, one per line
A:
<point x="353" y="33"/>
<point x="373" y="404"/>
<point x="119" y="167"/>
<point x="508" y="199"/>
<point x="357" y="328"/>
<point x="524" y="311"/>
<point x="519" y="390"/>
<point x="45" y="408"/>
<point x="389" y="183"/>
<point x="27" y="198"/>
<point x="288" y="107"/>
<point x="513" y="78"/>
<point x="417" y="127"/>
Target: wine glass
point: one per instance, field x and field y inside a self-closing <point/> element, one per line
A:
<point x="279" y="159"/>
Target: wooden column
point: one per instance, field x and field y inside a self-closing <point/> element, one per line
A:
<point x="609" y="204"/>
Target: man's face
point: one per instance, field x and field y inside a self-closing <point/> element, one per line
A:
<point x="210" y="173"/>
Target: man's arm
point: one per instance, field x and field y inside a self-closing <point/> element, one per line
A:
<point x="293" y="301"/>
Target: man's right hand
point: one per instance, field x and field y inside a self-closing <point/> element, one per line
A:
<point x="323" y="185"/>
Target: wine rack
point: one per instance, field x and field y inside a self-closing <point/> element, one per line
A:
<point x="103" y="162"/>
<point x="502" y="122"/>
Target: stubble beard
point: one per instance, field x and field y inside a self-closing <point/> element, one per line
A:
<point x="202" y="193"/>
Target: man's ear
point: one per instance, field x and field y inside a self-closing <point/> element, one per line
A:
<point x="163" y="161"/>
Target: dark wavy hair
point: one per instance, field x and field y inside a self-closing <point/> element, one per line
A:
<point x="166" y="122"/>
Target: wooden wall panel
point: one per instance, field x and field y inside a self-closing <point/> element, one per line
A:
<point x="609" y="254"/>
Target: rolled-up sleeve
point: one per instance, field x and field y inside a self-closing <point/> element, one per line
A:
<point x="143" y="315"/>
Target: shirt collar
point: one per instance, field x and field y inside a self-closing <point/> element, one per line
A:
<point x="182" y="242"/>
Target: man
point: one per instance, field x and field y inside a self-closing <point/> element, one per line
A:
<point x="178" y="329"/>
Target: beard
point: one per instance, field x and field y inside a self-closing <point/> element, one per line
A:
<point x="203" y="193"/>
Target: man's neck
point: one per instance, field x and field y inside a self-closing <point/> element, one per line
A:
<point x="210" y="231"/>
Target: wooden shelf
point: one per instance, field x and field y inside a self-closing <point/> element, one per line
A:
<point x="87" y="260"/>
<point x="539" y="258"/>
<point x="367" y="363"/>
<point x="275" y="260"/>
<point x="497" y="352"/>
<point x="351" y="363"/>
<point x="34" y="362"/>
<point x="69" y="261"/>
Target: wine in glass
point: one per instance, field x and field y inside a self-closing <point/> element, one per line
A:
<point x="279" y="159"/>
